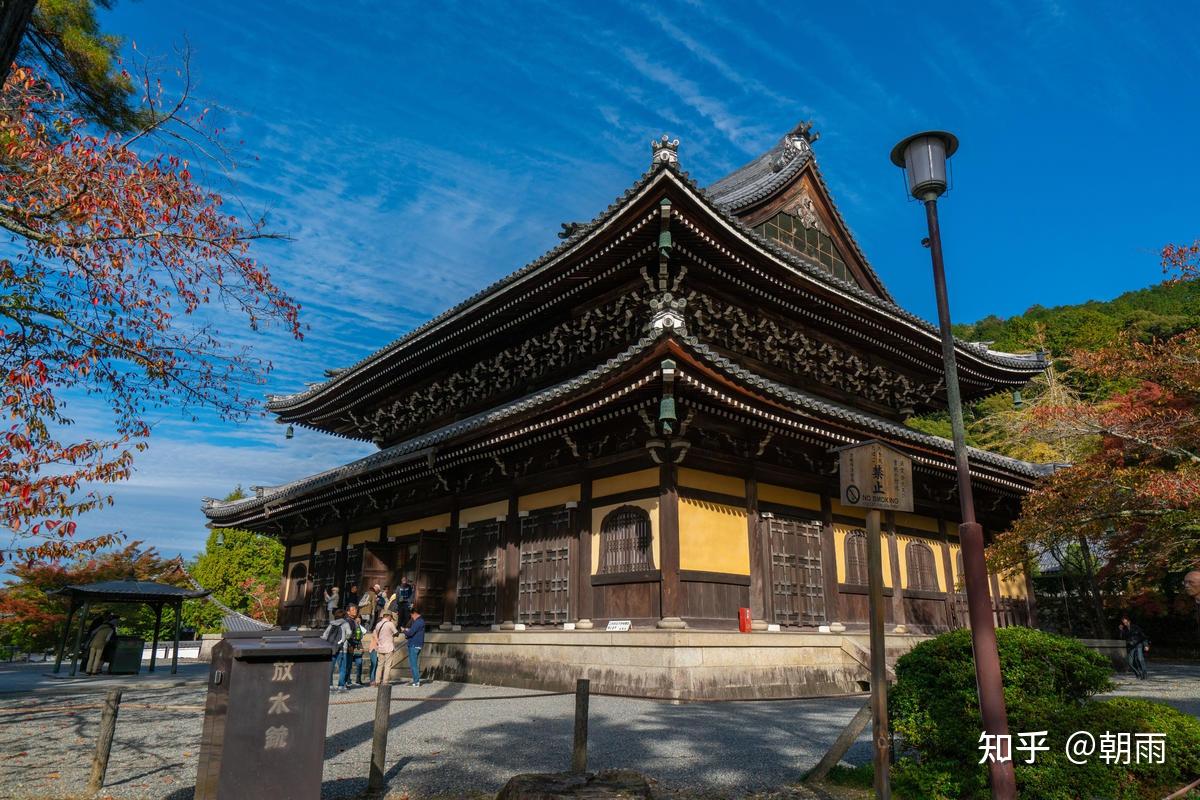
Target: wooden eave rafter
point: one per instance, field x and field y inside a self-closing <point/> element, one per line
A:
<point x="576" y="404"/>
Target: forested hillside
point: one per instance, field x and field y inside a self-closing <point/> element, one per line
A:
<point x="1158" y="311"/>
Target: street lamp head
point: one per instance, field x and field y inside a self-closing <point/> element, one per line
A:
<point x="923" y="158"/>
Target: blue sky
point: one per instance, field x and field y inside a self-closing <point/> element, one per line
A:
<point x="415" y="152"/>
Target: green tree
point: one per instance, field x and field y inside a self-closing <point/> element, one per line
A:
<point x="242" y="570"/>
<point x="64" y="40"/>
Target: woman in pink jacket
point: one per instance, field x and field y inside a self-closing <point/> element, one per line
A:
<point x="385" y="646"/>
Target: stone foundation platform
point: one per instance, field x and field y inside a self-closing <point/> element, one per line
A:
<point x="667" y="665"/>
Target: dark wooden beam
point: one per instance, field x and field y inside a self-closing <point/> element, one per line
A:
<point x="584" y="601"/>
<point x="510" y="565"/>
<point x="829" y="562"/>
<point x="453" y="535"/>
<point x="671" y="596"/>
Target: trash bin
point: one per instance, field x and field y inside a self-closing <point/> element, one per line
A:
<point x="126" y="656"/>
<point x="273" y="745"/>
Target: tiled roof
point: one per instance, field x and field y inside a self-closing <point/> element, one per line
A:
<point x="417" y="447"/>
<point x="144" y="591"/>
<point x="763" y="176"/>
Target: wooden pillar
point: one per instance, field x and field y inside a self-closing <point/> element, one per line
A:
<point x="948" y="568"/>
<point x="583" y="563"/>
<point x="452" y="542"/>
<point x="829" y="561"/>
<point x="62" y="644"/>
<point x="1030" y="600"/>
<point x="340" y="570"/>
<point x="897" y="587"/>
<point x="670" y="590"/>
<point x="510" y="566"/>
<point x="310" y="582"/>
<point x="760" y="575"/>
<point x="79" y="638"/>
<point x="157" y="622"/>
<point x="383" y="533"/>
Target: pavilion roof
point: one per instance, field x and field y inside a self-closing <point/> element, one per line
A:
<point x="425" y="448"/>
<point x="721" y="201"/>
<point x="131" y="590"/>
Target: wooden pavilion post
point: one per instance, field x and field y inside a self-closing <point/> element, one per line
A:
<point x="175" y="650"/>
<point x="154" y="644"/>
<point x="759" y="558"/>
<point x="670" y="598"/>
<point x="62" y="643"/>
<point x="583" y="563"/>
<point x="78" y="637"/>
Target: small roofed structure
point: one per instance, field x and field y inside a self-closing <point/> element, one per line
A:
<point x="130" y="590"/>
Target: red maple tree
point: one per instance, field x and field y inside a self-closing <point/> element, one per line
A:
<point x="120" y="262"/>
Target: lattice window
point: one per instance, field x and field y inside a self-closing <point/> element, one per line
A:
<point x="922" y="575"/>
<point x="856" y="557"/>
<point x="625" y="541"/>
<point x="794" y="234"/>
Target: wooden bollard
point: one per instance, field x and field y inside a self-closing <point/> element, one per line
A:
<point x="579" y="751"/>
<point x="108" y="725"/>
<point x="383" y="709"/>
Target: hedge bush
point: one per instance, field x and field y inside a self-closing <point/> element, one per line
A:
<point x="1048" y="685"/>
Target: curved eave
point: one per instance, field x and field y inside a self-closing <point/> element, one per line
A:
<point x="298" y="408"/>
<point x="288" y="406"/>
<point x="619" y="376"/>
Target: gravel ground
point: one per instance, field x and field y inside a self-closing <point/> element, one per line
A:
<point x="462" y="740"/>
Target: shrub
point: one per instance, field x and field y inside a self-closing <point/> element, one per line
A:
<point x="1048" y="685"/>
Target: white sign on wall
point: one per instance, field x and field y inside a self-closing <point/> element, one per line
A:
<point x="619" y="625"/>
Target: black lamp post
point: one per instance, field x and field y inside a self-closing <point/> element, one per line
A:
<point x="923" y="157"/>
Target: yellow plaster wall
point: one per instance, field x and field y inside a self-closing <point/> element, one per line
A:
<point x="549" y="499"/>
<point x="711" y="482"/>
<point x="955" y="577"/>
<point x="371" y="535"/>
<point x="642" y="479"/>
<point x="332" y="543"/>
<point x="789" y="497"/>
<point x="713" y="537"/>
<point x="298" y="551"/>
<point x="904" y="520"/>
<point x="410" y="526"/>
<point x="477" y="513"/>
<point x="935" y="547"/>
<point x="650" y="504"/>
<point x="849" y="511"/>
<point x="1013" y="585"/>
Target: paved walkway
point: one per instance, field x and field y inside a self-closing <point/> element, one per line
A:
<point x="457" y="740"/>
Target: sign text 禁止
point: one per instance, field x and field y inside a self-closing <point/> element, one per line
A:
<point x="874" y="475"/>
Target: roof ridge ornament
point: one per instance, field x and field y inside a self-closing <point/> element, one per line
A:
<point x="665" y="151"/>
<point x="804" y="130"/>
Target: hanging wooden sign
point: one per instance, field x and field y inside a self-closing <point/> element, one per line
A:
<point x="876" y="475"/>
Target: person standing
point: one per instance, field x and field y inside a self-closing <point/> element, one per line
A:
<point x="354" y="647"/>
<point x="352" y="596"/>
<point x="99" y="640"/>
<point x="337" y="632"/>
<point x="385" y="646"/>
<point x="381" y="597"/>
<point x="415" y="634"/>
<point x="1136" y="645"/>
<point x="333" y="601"/>
<point x="405" y="595"/>
<point x="366" y="607"/>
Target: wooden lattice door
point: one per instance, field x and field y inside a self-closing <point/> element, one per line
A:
<point x="477" y="551"/>
<point x="431" y="575"/>
<point x="797" y="586"/>
<point x="545" y="567"/>
<point x="324" y="575"/>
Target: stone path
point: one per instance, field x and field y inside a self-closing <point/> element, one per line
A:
<point x="459" y="740"/>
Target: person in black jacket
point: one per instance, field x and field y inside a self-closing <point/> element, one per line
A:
<point x="1136" y="645"/>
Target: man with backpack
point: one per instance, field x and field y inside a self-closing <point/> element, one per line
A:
<point x="337" y="633"/>
<point x="354" y="647"/>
